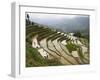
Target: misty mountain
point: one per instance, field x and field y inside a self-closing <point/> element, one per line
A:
<point x="78" y="23"/>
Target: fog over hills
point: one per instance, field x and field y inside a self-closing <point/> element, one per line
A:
<point x="66" y="23"/>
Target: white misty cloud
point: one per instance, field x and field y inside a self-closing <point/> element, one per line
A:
<point x="35" y="16"/>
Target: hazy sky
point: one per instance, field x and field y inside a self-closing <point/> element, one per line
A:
<point x="46" y="17"/>
<point x="59" y="21"/>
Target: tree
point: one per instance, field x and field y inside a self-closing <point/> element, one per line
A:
<point x="28" y="16"/>
<point x="77" y="34"/>
<point x="32" y="23"/>
<point x="28" y="22"/>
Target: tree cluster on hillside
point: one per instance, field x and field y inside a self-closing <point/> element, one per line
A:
<point x="80" y="35"/>
<point x="28" y="22"/>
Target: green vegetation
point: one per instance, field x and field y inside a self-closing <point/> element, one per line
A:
<point x="34" y="58"/>
<point x="53" y="62"/>
<point x="84" y="41"/>
<point x="71" y="47"/>
<point x="82" y="35"/>
<point x="77" y="34"/>
<point x="82" y="57"/>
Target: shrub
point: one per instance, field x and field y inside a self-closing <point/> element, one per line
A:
<point x="71" y="47"/>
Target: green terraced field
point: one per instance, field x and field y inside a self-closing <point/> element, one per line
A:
<point x="46" y="47"/>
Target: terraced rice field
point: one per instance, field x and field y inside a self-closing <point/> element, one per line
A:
<point x="47" y="47"/>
